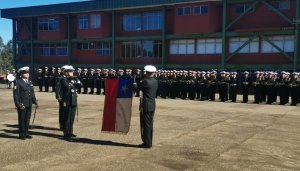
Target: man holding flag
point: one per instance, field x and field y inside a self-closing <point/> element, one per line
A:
<point x="147" y="106"/>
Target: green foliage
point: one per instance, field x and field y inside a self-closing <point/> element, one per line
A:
<point x="6" y="55"/>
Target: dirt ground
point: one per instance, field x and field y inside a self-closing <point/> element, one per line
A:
<point x="188" y="135"/>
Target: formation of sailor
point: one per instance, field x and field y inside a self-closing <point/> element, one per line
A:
<point x="193" y="85"/>
<point x="24" y="98"/>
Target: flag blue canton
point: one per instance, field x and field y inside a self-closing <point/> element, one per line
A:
<point x="125" y="88"/>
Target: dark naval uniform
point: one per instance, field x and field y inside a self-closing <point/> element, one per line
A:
<point x="24" y="97"/>
<point x="58" y="94"/>
<point x="149" y="87"/>
<point x="39" y="76"/>
<point x="245" y="83"/>
<point x="69" y="100"/>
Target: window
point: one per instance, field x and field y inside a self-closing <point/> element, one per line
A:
<point x="209" y="46"/>
<point x="131" y="49"/>
<point x="95" y="21"/>
<point x="281" y="5"/>
<point x="83" y="22"/>
<point x="132" y="22"/>
<point x="152" y="48"/>
<point x="103" y="49"/>
<point x="236" y="43"/>
<point x="152" y="21"/>
<point x="241" y="8"/>
<point x="47" y="50"/>
<point x="183" y="11"/>
<point x="53" y="50"/>
<point x="61" y="51"/>
<point x="44" y="51"/>
<point x="286" y="43"/>
<point x="199" y="10"/>
<point x="49" y="24"/>
<point x="86" y="46"/>
<point x="182" y="47"/>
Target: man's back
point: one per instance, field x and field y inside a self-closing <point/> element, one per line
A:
<point x="149" y="87"/>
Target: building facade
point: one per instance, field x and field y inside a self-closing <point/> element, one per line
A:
<point x="170" y="34"/>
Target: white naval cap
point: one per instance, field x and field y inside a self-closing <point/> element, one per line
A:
<point x="23" y="70"/>
<point x="150" y="68"/>
<point x="64" y="67"/>
<point x="68" y="68"/>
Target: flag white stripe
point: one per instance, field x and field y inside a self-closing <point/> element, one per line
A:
<point x="123" y="114"/>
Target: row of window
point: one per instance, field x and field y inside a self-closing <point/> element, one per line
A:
<point x="102" y="48"/>
<point x="279" y="5"/>
<point x="137" y="49"/>
<point x="145" y="21"/>
<point x="148" y="20"/>
<point x="198" y="10"/>
<point x="214" y="46"/>
<point x="153" y="48"/>
<point x="53" y="50"/>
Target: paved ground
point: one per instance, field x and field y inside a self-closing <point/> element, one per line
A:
<point x="189" y="135"/>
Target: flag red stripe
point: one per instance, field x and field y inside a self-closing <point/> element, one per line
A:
<point x="109" y="115"/>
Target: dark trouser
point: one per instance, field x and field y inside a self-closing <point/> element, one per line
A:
<point x="284" y="94"/>
<point x="98" y="87"/>
<point x="257" y="93"/>
<point x="92" y="87"/>
<point x="24" y="119"/>
<point x="137" y="91"/>
<point x="295" y="95"/>
<point x="79" y="90"/>
<point x="69" y="120"/>
<point x="212" y="92"/>
<point x="61" y="115"/>
<point x="85" y="89"/>
<point x="245" y="93"/>
<point x="53" y="86"/>
<point x="46" y="85"/>
<point x="223" y="92"/>
<point x="202" y="91"/>
<point x="192" y="92"/>
<point x="233" y="93"/>
<point x="263" y="93"/>
<point x="146" y="122"/>
<point x="40" y="82"/>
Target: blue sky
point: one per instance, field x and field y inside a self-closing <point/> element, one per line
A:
<point x="6" y="25"/>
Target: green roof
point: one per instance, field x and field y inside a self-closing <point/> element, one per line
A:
<point x="85" y="6"/>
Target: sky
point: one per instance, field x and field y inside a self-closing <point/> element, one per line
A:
<point x="6" y="24"/>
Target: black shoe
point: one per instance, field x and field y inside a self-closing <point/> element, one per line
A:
<point x="142" y="145"/>
<point x="68" y="138"/>
<point x="29" y="136"/>
<point x="73" y="135"/>
<point x="22" y="138"/>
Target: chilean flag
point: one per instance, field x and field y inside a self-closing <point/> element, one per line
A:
<point x="117" y="105"/>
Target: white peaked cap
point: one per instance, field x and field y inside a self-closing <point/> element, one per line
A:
<point x="64" y="67"/>
<point x="150" y="68"/>
<point x="69" y="68"/>
<point x="26" y="68"/>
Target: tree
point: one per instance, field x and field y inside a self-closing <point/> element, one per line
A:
<point x="6" y="55"/>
